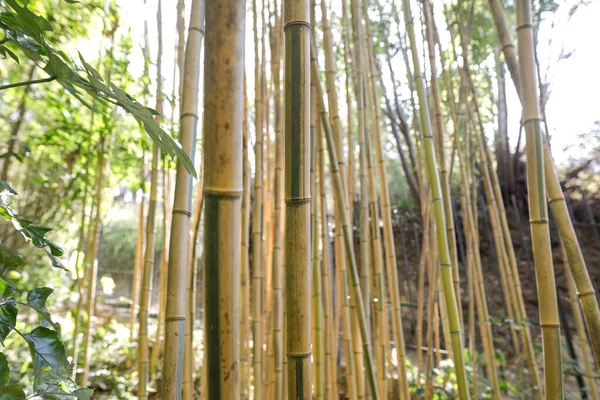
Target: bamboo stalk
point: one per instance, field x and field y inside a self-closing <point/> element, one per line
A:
<point x="175" y="316"/>
<point x="297" y="33"/>
<point x="149" y="255"/>
<point x="277" y="282"/>
<point x="585" y="289"/>
<point x="442" y="240"/>
<point x="257" y="221"/>
<point x="223" y="191"/>
<point x="340" y="192"/>
<point x="245" y="264"/>
<point x="538" y="208"/>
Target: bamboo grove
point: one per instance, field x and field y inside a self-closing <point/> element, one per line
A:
<point x="292" y="111"/>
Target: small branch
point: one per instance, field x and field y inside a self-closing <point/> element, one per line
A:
<point x="26" y="83"/>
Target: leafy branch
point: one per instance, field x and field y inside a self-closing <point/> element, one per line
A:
<point x="25" y="30"/>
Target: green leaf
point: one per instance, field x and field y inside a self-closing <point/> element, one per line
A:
<point x="55" y="385"/>
<point x="12" y="392"/>
<point x="36" y="299"/>
<point x="9" y="258"/>
<point x="46" y="349"/>
<point x="8" y="311"/>
<point x="6" y="186"/>
<point x="4" y="370"/>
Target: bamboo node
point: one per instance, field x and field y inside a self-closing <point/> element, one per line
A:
<point x="524" y="26"/>
<point x="539" y="221"/>
<point x="297" y="200"/>
<point x="445" y="265"/>
<point x="559" y="198"/>
<point x="182" y="211"/>
<point x="531" y="119"/>
<point x="188" y="114"/>
<point x="300" y="355"/>
<point x="586" y="293"/>
<point x="175" y="318"/>
<point x="550" y="325"/>
<point x="296" y="22"/>
<point x="223" y="192"/>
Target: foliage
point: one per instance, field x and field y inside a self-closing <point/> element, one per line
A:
<point x="49" y="359"/>
<point x="26" y="31"/>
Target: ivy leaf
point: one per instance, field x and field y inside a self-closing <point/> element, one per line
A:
<point x="4" y="370"/>
<point x="46" y="349"/>
<point x="8" y="311"/>
<point x="52" y="384"/>
<point x="12" y="392"/>
<point x="36" y="299"/>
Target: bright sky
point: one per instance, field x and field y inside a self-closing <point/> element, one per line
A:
<point x="574" y="82"/>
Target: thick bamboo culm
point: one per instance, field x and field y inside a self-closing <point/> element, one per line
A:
<point x="538" y="208"/>
<point x="347" y="235"/>
<point x="442" y="240"/>
<point x="149" y="255"/>
<point x="297" y="33"/>
<point x="223" y="189"/>
<point x="585" y="288"/>
<point x="175" y="315"/>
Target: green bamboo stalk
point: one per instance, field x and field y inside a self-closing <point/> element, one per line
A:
<point x="175" y="316"/>
<point x="538" y="208"/>
<point x="297" y="33"/>
<point x="440" y="217"/>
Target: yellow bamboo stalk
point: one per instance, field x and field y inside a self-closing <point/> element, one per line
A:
<point x="191" y="264"/>
<point x="585" y="288"/>
<point x="348" y="246"/>
<point x="442" y="240"/>
<point x="149" y="255"/>
<point x="277" y="282"/>
<point x="175" y="315"/>
<point x="440" y="127"/>
<point x="137" y="266"/>
<point x="257" y="222"/>
<point x="538" y="208"/>
<point x="245" y="264"/>
<point x="330" y="333"/>
<point x="223" y="189"/>
<point x="581" y="332"/>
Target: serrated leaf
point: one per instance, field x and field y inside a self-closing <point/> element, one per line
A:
<point x="46" y="349"/>
<point x="4" y="370"/>
<point x="12" y="392"/>
<point x="36" y="299"/>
